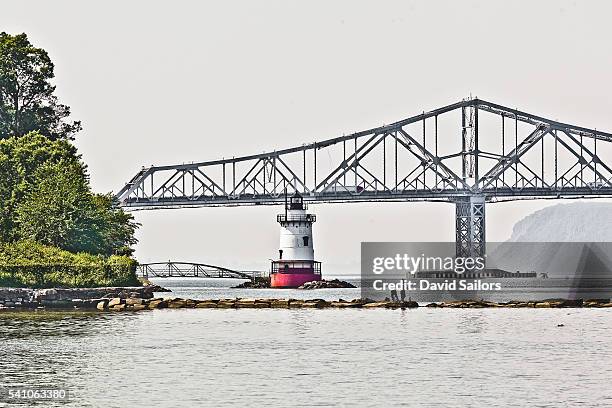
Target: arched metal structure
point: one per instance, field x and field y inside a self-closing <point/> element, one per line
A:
<point x="192" y="270"/>
<point x="467" y="153"/>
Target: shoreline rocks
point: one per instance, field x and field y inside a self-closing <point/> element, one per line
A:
<point x="70" y="298"/>
<point x="264" y="283"/>
<point x="258" y="283"/>
<point x="327" y="284"/>
<point x="22" y="299"/>
<point x="142" y="298"/>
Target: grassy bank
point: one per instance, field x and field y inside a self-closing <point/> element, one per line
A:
<point x="29" y="264"/>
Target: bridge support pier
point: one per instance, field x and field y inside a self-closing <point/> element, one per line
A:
<point x="470" y="238"/>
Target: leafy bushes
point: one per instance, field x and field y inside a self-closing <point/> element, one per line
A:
<point x="45" y="197"/>
<point x="29" y="264"/>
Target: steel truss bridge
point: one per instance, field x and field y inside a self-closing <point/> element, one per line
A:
<point x="191" y="270"/>
<point x="468" y="153"/>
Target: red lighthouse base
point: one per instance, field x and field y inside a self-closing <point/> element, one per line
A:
<point x="293" y="274"/>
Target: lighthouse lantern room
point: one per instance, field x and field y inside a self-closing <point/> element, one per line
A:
<point x="295" y="265"/>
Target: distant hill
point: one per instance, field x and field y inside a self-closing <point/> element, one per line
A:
<point x="556" y="230"/>
<point x="574" y="222"/>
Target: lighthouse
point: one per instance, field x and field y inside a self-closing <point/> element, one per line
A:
<point x="295" y="265"/>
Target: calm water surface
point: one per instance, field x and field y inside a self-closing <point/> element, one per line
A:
<point x="328" y="357"/>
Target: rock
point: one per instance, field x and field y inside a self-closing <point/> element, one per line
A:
<point x="296" y="303"/>
<point x="206" y="305"/>
<point x="254" y="303"/>
<point x="257" y="283"/>
<point x="325" y="284"/>
<point x="245" y="304"/>
<point x="280" y="303"/>
<point x="115" y="301"/>
<point x="316" y="303"/>
<point x="571" y="303"/>
<point x="176" y="303"/>
<point x="409" y="304"/>
<point x="157" y="304"/>
<point x="595" y="302"/>
<point x="375" y="305"/>
<point x="225" y="304"/>
<point x="48" y="294"/>
<point x="342" y="304"/>
<point x="117" y="308"/>
<point x="102" y="305"/>
<point x="150" y="289"/>
<point x="134" y="301"/>
<point x="138" y="307"/>
<point x="124" y="294"/>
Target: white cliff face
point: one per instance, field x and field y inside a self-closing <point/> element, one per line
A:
<point x="573" y="222"/>
<point x="558" y="228"/>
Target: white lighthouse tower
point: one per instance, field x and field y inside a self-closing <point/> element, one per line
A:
<point x="295" y="265"/>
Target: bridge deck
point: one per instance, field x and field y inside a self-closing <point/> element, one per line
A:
<point x="472" y="147"/>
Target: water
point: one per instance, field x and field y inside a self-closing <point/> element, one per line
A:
<point x="200" y="288"/>
<point x="313" y="358"/>
<point x="512" y="289"/>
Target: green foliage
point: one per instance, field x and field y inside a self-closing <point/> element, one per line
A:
<point x="115" y="227"/>
<point x="29" y="264"/>
<point x="27" y="100"/>
<point x="19" y="159"/>
<point x="45" y="197"/>
<point x="57" y="210"/>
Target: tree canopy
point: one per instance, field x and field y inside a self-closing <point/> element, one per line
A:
<point x="27" y="99"/>
<point x="45" y="197"/>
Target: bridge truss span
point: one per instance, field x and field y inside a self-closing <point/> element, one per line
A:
<point x="191" y="270"/>
<point x="467" y="153"/>
<point x="468" y="148"/>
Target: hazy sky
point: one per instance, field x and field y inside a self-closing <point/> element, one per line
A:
<point x="181" y="81"/>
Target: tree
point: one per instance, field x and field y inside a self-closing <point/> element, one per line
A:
<point x="19" y="159"/>
<point x="61" y="211"/>
<point x="57" y="209"/>
<point x="116" y="227"/>
<point x="27" y="100"/>
<point x="45" y="197"/>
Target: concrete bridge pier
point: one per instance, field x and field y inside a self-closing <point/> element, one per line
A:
<point x="470" y="239"/>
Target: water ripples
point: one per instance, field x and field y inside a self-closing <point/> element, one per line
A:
<point x="276" y="358"/>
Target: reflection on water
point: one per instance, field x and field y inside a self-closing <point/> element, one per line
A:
<point x="305" y="357"/>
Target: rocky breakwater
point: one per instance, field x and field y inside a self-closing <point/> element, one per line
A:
<point x="539" y="304"/>
<point x="75" y="298"/>
<point x="141" y="298"/>
<point x="327" y="284"/>
<point x="119" y="305"/>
